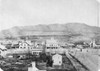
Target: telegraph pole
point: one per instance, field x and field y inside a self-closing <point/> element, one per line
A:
<point x="98" y="14"/>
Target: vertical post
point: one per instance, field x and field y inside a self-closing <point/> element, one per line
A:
<point x="98" y="16"/>
<point x="98" y="2"/>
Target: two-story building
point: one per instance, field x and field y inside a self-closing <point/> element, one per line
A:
<point x="52" y="46"/>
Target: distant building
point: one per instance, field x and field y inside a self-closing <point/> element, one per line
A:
<point x="2" y="47"/>
<point x="3" y="50"/>
<point x="36" y="51"/>
<point x="79" y="46"/>
<point x="37" y="48"/>
<point x="52" y="46"/>
<point x="93" y="44"/>
<point x="57" y="60"/>
<point x="23" y="45"/>
<point x="29" y="42"/>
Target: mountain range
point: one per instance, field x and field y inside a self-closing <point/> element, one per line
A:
<point x="77" y="31"/>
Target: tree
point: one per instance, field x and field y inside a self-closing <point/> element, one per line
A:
<point x="43" y="57"/>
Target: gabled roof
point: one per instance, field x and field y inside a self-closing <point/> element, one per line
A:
<point x="24" y="42"/>
<point x="57" y="55"/>
<point x="2" y="47"/>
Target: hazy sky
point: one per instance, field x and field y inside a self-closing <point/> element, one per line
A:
<point x="32" y="12"/>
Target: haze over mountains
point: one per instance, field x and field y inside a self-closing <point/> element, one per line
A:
<point x="80" y="30"/>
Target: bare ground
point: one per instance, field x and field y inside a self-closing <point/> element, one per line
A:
<point x="90" y="58"/>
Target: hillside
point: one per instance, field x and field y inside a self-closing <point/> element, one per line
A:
<point x="82" y="31"/>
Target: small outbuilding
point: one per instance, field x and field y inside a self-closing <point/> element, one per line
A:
<point x="33" y="68"/>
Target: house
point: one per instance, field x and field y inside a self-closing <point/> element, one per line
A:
<point x="2" y="47"/>
<point x="23" y="45"/>
<point x="14" y="46"/>
<point x="39" y="42"/>
<point x="36" y="51"/>
<point x="8" y="46"/>
<point x="57" y="60"/>
<point x="29" y="42"/>
<point x="3" y="50"/>
<point x="94" y="44"/>
<point x="52" y="46"/>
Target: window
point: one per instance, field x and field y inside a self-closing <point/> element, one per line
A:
<point x="53" y="47"/>
<point x="34" y="53"/>
<point x="48" y="47"/>
<point x="24" y="44"/>
<point x="20" y="47"/>
<point x="59" y="61"/>
<point x="21" y="44"/>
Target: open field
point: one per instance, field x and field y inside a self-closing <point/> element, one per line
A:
<point x="89" y="57"/>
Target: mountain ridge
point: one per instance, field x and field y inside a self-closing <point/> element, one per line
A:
<point x="79" y="29"/>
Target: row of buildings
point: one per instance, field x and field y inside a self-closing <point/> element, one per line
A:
<point x="35" y="47"/>
<point x="27" y="46"/>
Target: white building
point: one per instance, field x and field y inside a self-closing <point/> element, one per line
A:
<point x="93" y="44"/>
<point x="23" y="45"/>
<point x="57" y="60"/>
<point x="36" y="51"/>
<point x="3" y="50"/>
<point x="33" y="68"/>
<point x="52" y="46"/>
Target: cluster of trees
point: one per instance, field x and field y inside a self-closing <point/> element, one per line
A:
<point x="82" y="43"/>
<point x="45" y="58"/>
